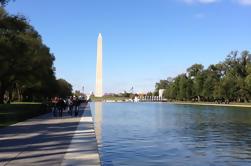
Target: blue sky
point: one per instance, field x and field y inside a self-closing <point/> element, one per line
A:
<point x="143" y="40"/>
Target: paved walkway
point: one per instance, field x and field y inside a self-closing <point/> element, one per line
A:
<point x="50" y="141"/>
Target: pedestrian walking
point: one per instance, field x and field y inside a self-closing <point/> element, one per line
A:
<point x="54" y="106"/>
<point x="70" y="105"/>
<point x="60" y="106"/>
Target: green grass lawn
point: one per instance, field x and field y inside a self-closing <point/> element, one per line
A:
<point x="13" y="113"/>
<point x="26" y="103"/>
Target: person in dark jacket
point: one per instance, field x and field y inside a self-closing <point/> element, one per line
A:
<point x="61" y="106"/>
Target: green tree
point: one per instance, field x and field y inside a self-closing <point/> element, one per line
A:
<point x="211" y="82"/>
<point x="195" y="73"/>
<point x="3" y="2"/>
<point x="229" y="80"/>
<point x="26" y="64"/>
<point x="64" y="88"/>
<point x="162" y="84"/>
<point x="171" y="92"/>
<point x="181" y="84"/>
<point x="195" y="70"/>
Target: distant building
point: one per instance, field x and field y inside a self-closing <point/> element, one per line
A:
<point x="161" y="93"/>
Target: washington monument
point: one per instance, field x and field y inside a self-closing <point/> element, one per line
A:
<point x="99" y="75"/>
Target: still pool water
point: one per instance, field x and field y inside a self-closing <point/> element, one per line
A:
<point x="166" y="134"/>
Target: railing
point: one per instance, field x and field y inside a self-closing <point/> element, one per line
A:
<point x="151" y="99"/>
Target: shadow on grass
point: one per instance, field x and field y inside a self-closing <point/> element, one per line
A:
<point x="13" y="113"/>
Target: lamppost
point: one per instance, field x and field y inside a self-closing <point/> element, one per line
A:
<point x="83" y="89"/>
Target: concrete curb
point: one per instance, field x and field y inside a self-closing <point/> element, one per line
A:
<point x="83" y="149"/>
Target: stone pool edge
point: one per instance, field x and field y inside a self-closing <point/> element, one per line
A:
<point x="210" y="104"/>
<point x="83" y="149"/>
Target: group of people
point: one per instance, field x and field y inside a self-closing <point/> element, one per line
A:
<point x="71" y="104"/>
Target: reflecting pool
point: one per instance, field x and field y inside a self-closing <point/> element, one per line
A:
<point x="168" y="134"/>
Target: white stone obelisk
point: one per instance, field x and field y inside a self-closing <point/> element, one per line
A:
<point x="99" y="74"/>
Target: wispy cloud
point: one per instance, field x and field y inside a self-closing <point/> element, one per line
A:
<point x="200" y="1"/>
<point x="245" y="2"/>
<point x="206" y="2"/>
<point x="199" y="15"/>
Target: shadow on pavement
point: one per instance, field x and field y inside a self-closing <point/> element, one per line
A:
<point x="40" y="141"/>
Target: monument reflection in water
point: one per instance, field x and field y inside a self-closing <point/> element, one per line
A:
<point x="97" y="114"/>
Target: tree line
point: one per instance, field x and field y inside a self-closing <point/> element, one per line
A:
<point x="227" y="81"/>
<point x="26" y="63"/>
<point x="3" y="2"/>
